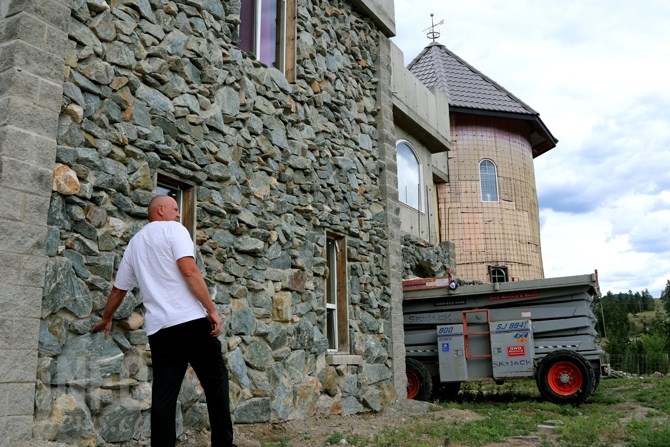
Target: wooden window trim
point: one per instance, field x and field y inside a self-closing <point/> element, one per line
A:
<point x="188" y="191"/>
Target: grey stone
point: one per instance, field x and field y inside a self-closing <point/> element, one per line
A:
<point x="119" y="54"/>
<point x="62" y="289"/>
<point x="85" y="36"/>
<point x="374" y="373"/>
<point x="48" y="344"/>
<point x="228" y="100"/>
<point x="86" y="360"/>
<point x="154" y="98"/>
<point x="238" y="367"/>
<point x="254" y="410"/>
<point x="77" y="261"/>
<point x="119" y="421"/>
<point x="246" y="244"/>
<point x="351" y="405"/>
<point x="103" y="25"/>
<point x="258" y="355"/>
<point x="242" y="319"/>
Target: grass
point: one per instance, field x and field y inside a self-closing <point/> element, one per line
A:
<point x="626" y="412"/>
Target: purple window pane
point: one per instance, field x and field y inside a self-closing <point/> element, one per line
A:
<point x="268" y="32"/>
<point x="247" y="19"/>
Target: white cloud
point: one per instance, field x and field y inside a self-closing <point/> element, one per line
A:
<point x="596" y="72"/>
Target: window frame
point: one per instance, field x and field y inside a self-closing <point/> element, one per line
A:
<point x="498" y="271"/>
<point x="486" y="184"/>
<point x="186" y="198"/>
<point x="336" y="297"/>
<point x="285" y="33"/>
<point x="420" y="206"/>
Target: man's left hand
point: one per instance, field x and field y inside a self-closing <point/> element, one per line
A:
<point x="216" y="323"/>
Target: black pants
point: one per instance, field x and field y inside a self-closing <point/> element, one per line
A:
<point x="172" y="349"/>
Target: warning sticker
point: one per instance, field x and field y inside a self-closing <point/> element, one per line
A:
<point x="445" y="347"/>
<point x="516" y="350"/>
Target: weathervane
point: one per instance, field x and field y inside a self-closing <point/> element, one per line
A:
<point x="431" y="33"/>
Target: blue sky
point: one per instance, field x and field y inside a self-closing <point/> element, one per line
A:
<point x="598" y="72"/>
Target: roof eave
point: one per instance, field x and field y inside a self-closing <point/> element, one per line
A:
<point x="546" y="140"/>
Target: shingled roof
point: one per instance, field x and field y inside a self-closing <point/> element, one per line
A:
<point x="470" y="91"/>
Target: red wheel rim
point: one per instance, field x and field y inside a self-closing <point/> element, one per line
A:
<point x="565" y="378"/>
<point x="413" y="384"/>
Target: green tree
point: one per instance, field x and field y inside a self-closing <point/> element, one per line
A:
<point x="653" y="347"/>
<point x="665" y="296"/>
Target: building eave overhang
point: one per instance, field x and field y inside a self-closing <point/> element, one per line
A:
<point x="416" y="126"/>
<point x="541" y="138"/>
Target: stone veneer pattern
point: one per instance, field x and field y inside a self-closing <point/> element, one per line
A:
<point x="159" y="85"/>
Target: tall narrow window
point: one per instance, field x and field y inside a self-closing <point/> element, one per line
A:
<point x="488" y="180"/>
<point x="267" y="29"/>
<point x="184" y="195"/>
<point x="337" y="319"/>
<point x="409" y="176"/>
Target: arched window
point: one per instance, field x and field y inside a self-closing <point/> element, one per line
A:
<point x="498" y="274"/>
<point x="488" y="181"/>
<point x="409" y="176"/>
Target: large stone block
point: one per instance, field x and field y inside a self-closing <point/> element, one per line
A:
<point x="18" y="205"/>
<point x="53" y="12"/>
<point x="25" y="176"/>
<point x="14" y="331"/>
<point x="24" y="145"/>
<point x="24" y="27"/>
<point x="27" y="115"/>
<point x="18" y="365"/>
<point x="19" y="398"/>
<point x="15" y="429"/>
<point x="20" y="301"/>
<point x="31" y="59"/>
<point x="21" y="238"/>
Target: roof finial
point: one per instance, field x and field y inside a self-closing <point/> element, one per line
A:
<point x="431" y="33"/>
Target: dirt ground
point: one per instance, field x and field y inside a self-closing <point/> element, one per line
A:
<point x="315" y="431"/>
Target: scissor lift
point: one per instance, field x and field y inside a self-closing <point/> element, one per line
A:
<point x="541" y="328"/>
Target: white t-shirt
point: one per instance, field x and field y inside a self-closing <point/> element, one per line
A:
<point x="150" y="261"/>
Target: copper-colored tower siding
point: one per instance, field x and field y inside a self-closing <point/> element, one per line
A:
<point x="507" y="232"/>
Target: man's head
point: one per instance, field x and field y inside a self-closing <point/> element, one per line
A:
<point x="163" y="208"/>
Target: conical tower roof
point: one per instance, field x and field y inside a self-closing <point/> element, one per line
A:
<point x="471" y="91"/>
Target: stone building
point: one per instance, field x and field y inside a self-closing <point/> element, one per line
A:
<point x="279" y="142"/>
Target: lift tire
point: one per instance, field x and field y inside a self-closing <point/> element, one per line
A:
<point x="565" y="377"/>
<point x="419" y="381"/>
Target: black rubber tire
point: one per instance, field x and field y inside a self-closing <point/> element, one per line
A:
<point x="419" y="381"/>
<point x="565" y="377"/>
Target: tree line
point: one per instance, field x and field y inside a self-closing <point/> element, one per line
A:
<point x="635" y="329"/>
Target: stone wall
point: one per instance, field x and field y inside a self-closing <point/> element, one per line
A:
<point x="421" y="259"/>
<point x="159" y="85"/>
<point x="32" y="44"/>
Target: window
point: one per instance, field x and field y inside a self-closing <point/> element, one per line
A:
<point x="409" y="176"/>
<point x="488" y="180"/>
<point x="184" y="194"/>
<point x="498" y="274"/>
<point x="337" y="324"/>
<point x="268" y="29"/>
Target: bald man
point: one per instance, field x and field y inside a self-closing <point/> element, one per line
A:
<point x="181" y="320"/>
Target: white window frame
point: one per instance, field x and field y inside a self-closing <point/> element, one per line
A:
<point x="485" y="189"/>
<point x="497" y="272"/>
<point x="404" y="196"/>
<point x="336" y="301"/>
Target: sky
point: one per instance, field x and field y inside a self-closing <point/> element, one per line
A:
<point x="597" y="71"/>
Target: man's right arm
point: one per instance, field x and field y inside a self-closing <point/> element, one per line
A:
<point x="113" y="302"/>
